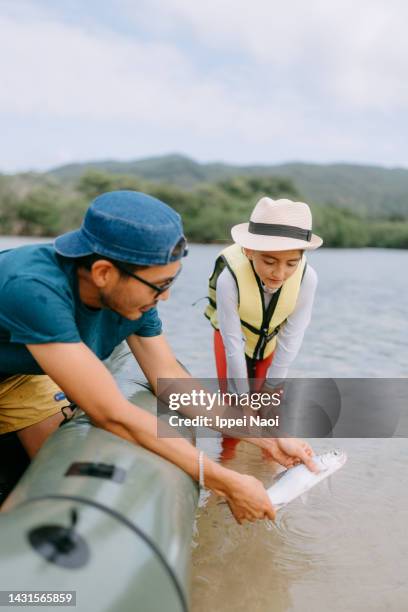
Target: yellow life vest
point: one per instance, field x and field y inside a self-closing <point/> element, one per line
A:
<point x="259" y="325"/>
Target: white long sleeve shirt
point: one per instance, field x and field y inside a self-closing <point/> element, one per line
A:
<point x="289" y="338"/>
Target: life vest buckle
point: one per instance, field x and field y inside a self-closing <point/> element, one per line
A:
<point x="268" y="337"/>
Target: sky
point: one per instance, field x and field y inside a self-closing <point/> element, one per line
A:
<point x="249" y="82"/>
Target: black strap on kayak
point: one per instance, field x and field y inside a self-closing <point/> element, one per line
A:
<point x="68" y="412"/>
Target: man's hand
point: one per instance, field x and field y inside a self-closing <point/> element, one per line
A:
<point x="287" y="451"/>
<point x="247" y="498"/>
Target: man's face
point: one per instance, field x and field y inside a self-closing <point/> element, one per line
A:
<point x="129" y="296"/>
<point x="274" y="267"/>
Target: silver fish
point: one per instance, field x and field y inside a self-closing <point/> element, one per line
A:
<point x="295" y="481"/>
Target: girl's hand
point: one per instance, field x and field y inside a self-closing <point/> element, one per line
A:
<point x="287" y="451"/>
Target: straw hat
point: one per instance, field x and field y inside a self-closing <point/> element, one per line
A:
<point x="277" y="225"/>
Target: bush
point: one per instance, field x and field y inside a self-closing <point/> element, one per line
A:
<point x="34" y="205"/>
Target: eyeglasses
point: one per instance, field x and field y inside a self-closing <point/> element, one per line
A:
<point x="159" y="290"/>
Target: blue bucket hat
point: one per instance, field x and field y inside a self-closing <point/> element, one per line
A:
<point x="128" y="226"/>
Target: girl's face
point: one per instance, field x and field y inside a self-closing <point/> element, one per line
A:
<point x="274" y="267"/>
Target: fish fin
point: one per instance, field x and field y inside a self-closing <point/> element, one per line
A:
<point x="279" y="476"/>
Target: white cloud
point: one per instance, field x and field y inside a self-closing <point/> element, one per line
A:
<point x="62" y="71"/>
<point x="259" y="81"/>
<point x="51" y="68"/>
<point x="355" y="53"/>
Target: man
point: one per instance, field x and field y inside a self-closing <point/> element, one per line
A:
<point x="65" y="307"/>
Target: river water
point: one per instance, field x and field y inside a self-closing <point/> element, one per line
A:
<point x="344" y="549"/>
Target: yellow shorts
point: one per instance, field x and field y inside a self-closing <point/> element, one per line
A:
<point x="26" y="400"/>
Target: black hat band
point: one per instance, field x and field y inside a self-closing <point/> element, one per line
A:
<point x="276" y="229"/>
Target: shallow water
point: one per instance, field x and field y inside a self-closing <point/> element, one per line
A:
<point x="341" y="551"/>
<point x="344" y="550"/>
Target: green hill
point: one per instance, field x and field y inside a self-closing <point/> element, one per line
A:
<point x="371" y="190"/>
<point x="353" y="206"/>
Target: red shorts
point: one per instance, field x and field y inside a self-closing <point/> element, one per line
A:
<point x="256" y="368"/>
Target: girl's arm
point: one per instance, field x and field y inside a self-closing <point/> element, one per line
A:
<point x="290" y="337"/>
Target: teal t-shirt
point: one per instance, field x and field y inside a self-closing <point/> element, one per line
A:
<point x="39" y="303"/>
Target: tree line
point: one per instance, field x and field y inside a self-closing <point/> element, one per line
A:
<point x="48" y="208"/>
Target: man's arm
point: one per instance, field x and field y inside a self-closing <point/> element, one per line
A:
<point x="156" y="358"/>
<point x="86" y="381"/>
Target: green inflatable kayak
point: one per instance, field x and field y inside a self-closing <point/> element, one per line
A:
<point x="102" y="517"/>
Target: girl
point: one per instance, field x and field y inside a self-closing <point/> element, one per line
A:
<point x="261" y="294"/>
